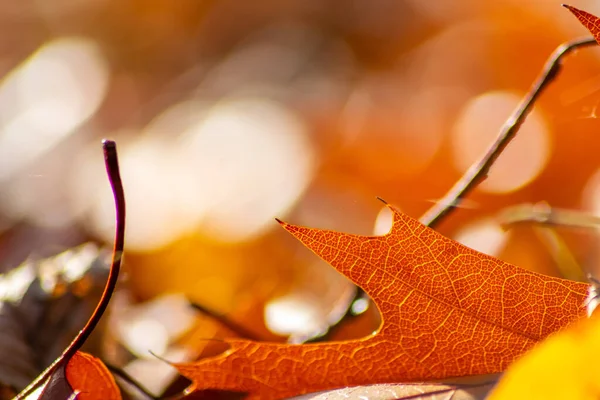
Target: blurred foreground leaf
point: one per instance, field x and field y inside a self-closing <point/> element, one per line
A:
<point x="561" y="367"/>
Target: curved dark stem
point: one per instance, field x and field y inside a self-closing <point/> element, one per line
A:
<point x="226" y="322"/>
<point x="478" y="171"/>
<point x="112" y="168"/>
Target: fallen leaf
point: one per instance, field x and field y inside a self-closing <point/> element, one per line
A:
<point x="591" y="22"/>
<point x="447" y="310"/>
<point x="89" y="376"/>
<point x="84" y="376"/>
<point x="412" y="391"/>
<point x="561" y="367"/>
<point x="43" y="304"/>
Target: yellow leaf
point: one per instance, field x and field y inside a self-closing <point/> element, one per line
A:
<point x="561" y="367"/>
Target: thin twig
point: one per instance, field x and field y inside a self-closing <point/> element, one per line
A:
<point x="565" y="261"/>
<point x="129" y="379"/>
<point x="226" y="322"/>
<point x="542" y="214"/>
<point x="544" y="219"/>
<point x="112" y="169"/>
<point x="478" y="171"/>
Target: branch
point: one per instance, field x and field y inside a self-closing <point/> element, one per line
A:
<point x="542" y="214"/>
<point x="226" y="322"/>
<point x="129" y="380"/>
<point x="112" y="169"/>
<point x="479" y="171"/>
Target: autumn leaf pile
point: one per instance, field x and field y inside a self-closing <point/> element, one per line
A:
<point x="447" y="312"/>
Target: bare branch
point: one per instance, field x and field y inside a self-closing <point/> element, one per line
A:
<point x="541" y="213"/>
<point x="479" y="170"/>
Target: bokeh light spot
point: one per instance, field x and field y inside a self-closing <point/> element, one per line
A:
<point x="485" y="236"/>
<point x="477" y="128"/>
<point x="55" y="90"/>
<point x="294" y="313"/>
<point x="383" y="222"/>
<point x="252" y="160"/>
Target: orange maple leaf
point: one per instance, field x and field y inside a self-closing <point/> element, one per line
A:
<point x="83" y="377"/>
<point x="87" y="375"/>
<point x="447" y="310"/>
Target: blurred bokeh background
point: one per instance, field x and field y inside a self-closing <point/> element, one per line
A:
<point x="228" y="114"/>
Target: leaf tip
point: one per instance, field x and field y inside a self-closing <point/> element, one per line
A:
<point x="382" y="200"/>
<point x="281" y="222"/>
<point x="590" y="21"/>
